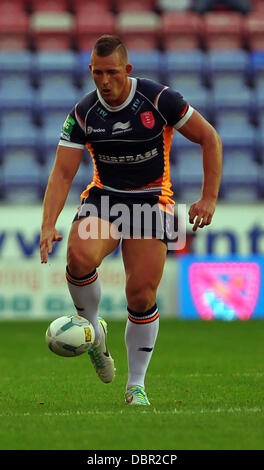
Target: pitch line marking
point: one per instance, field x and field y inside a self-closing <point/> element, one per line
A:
<point x="235" y="410"/>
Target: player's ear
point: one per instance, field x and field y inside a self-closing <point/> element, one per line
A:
<point x="129" y="68"/>
<point x="90" y="67"/>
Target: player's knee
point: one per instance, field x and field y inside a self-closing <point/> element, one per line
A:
<point x="141" y="298"/>
<point x="80" y="262"/>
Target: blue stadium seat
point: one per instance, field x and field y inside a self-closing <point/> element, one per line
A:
<point x="236" y="61"/>
<point x="14" y="79"/>
<point x="53" y="62"/>
<point x="12" y="117"/>
<point x="241" y="194"/>
<point x="54" y="118"/>
<point x="52" y="97"/>
<point x="189" y="167"/>
<point x="23" y="135"/>
<point x="228" y="81"/>
<point x="20" y="62"/>
<point x="84" y="59"/>
<point x="240" y="97"/>
<point x="232" y="118"/>
<point x="259" y="96"/>
<point x="59" y="80"/>
<point x="257" y="61"/>
<point x="22" y="194"/>
<point x="238" y="167"/>
<point x="189" y="172"/>
<point x="20" y="168"/>
<point x="190" y="61"/>
<point x="148" y="64"/>
<point x="240" y="178"/>
<point x="17" y="94"/>
<point x="238" y="136"/>
<point x="186" y="81"/>
<point x="260" y="139"/>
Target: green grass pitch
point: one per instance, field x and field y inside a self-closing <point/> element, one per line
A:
<point x="205" y="384"/>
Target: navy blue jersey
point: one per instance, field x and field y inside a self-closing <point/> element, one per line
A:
<point x="129" y="144"/>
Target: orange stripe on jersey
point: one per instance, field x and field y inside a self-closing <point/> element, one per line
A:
<point x="166" y="193"/>
<point x="96" y="178"/>
<point x="79" y="119"/>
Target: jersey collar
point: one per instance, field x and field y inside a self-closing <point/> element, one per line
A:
<point x="126" y="102"/>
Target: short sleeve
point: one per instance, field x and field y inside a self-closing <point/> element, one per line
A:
<point x="72" y="133"/>
<point x="174" y="108"/>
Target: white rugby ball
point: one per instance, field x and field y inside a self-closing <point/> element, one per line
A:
<point x="70" y="335"/>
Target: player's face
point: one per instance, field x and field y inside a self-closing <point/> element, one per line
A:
<point x="110" y="75"/>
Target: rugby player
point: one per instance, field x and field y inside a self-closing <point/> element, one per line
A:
<point x="127" y="124"/>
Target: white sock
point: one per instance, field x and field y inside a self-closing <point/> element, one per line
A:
<point x="140" y="337"/>
<point x="86" y="295"/>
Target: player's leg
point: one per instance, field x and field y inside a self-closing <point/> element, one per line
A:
<point x="84" y="255"/>
<point x="144" y="262"/>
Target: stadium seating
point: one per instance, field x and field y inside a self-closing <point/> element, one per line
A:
<point x="51" y="30"/>
<point x="189" y="176"/>
<point x="257" y="5"/>
<point x="20" y="63"/>
<point x="238" y="136"/>
<point x="240" y="179"/>
<point x="147" y="64"/>
<point x="139" y="31"/>
<point x="235" y="97"/>
<point x="223" y="30"/>
<point x="52" y="123"/>
<point x="14" y="6"/>
<point x="232" y="118"/>
<point x="171" y="5"/>
<point x="257" y="67"/>
<point x="49" y="5"/>
<point x="185" y="61"/>
<point x="15" y="117"/>
<point x="20" y="176"/>
<point x="260" y="137"/>
<point x="216" y="61"/>
<point x="92" y="7"/>
<point x="14" y="27"/>
<point x="89" y="25"/>
<point x="24" y="135"/>
<point x="228" y="62"/>
<point x="254" y="30"/>
<point x="134" y="5"/>
<point x="50" y="97"/>
<point x="13" y="96"/>
<point x="189" y="65"/>
<point x="180" y="30"/>
<point x="50" y="64"/>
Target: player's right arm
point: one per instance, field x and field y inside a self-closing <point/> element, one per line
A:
<point x="66" y="164"/>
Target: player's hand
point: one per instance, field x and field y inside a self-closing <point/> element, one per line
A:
<point x="201" y="213"/>
<point x="47" y="238"/>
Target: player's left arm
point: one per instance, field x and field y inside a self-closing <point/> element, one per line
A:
<point x="199" y="130"/>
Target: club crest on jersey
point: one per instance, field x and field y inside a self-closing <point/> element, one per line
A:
<point x="148" y="119"/>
